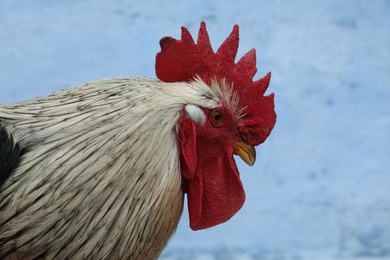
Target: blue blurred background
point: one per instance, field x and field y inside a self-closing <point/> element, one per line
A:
<point x="320" y="188"/>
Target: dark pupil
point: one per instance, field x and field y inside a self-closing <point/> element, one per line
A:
<point x="217" y="117"/>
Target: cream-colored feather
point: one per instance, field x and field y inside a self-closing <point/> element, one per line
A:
<point x="99" y="176"/>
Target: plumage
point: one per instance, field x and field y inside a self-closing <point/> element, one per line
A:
<point x="99" y="170"/>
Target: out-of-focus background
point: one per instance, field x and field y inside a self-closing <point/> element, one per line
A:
<point x="320" y="188"/>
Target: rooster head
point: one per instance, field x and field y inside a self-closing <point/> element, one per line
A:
<point x="208" y="138"/>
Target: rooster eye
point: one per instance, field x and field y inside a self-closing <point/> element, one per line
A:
<point x="217" y="118"/>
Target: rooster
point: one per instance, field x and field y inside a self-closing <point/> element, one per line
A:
<point x="99" y="170"/>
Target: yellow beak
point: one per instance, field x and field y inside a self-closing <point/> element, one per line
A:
<point x="246" y="151"/>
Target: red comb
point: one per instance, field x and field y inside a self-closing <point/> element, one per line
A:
<point x="184" y="60"/>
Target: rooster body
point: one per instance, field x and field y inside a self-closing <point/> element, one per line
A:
<point x="99" y="171"/>
<point x="114" y="124"/>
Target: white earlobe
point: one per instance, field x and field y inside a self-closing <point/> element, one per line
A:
<point x="196" y="114"/>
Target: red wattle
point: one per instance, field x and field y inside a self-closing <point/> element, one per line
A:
<point x="210" y="178"/>
<point x="216" y="192"/>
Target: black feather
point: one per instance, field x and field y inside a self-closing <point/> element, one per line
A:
<point x="9" y="154"/>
